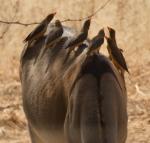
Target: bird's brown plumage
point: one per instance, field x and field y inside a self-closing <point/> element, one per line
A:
<point x="96" y="42"/>
<point x="115" y="53"/>
<point x="54" y="34"/>
<point x="80" y="38"/>
<point x="40" y="29"/>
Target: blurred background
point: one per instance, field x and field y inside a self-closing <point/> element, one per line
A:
<point x="130" y="19"/>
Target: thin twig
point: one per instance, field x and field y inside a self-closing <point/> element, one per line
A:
<point x="8" y="26"/>
<point x="91" y="15"/>
<point x="80" y="19"/>
<point x="18" y="23"/>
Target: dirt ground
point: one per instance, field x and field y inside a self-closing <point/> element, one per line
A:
<point x="132" y="23"/>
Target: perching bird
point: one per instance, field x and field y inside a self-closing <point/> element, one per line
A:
<point x="77" y="40"/>
<point x="40" y="29"/>
<point x="96" y="42"/>
<point x="54" y="34"/>
<point x="114" y="52"/>
<point x="86" y="26"/>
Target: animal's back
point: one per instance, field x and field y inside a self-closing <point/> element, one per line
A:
<point x="97" y="104"/>
<point x="48" y="81"/>
<point x="44" y="102"/>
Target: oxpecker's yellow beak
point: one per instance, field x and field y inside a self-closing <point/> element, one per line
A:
<point x="106" y="32"/>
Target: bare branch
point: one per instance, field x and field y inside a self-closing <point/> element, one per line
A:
<point x="18" y="23"/>
<point x="80" y="19"/>
<point x="91" y="15"/>
<point x="7" y="28"/>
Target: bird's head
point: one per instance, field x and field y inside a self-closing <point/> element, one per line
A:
<point x="112" y="32"/>
<point x="101" y="33"/>
<point x="57" y="23"/>
<point x="86" y="25"/>
<point x="50" y="16"/>
<point x="109" y="33"/>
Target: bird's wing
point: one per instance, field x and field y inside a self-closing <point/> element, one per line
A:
<point x="92" y="42"/>
<point x="96" y="42"/>
<point x="75" y="41"/>
<point x="54" y="34"/>
<point x="119" y="57"/>
<point x="36" y="31"/>
<point x="80" y="38"/>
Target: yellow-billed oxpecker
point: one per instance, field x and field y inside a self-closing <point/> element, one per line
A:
<point x="96" y="42"/>
<point x="40" y="29"/>
<point x="114" y="52"/>
<point x="79" y="39"/>
<point x="54" y="34"/>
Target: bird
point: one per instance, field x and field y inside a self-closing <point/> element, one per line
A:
<point x="40" y="29"/>
<point x="96" y="42"/>
<point x="77" y="40"/>
<point x="86" y="26"/>
<point x="54" y="34"/>
<point x="115" y="52"/>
